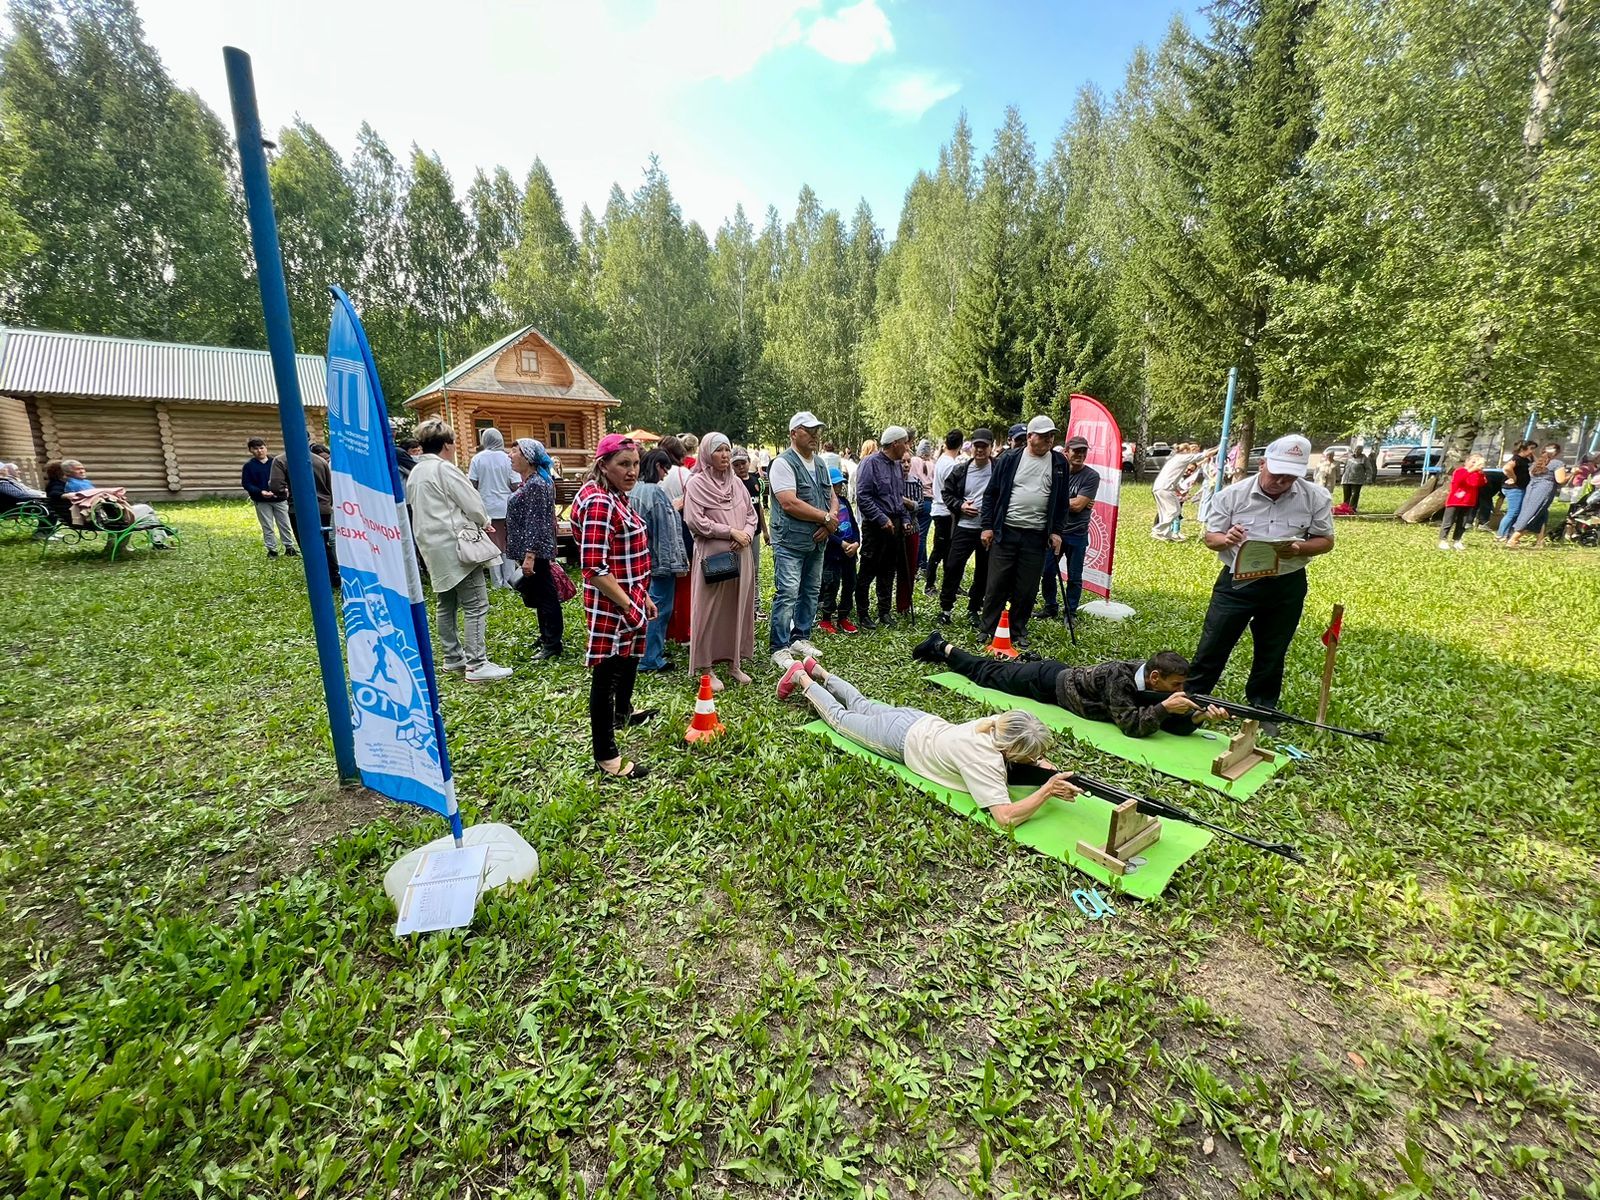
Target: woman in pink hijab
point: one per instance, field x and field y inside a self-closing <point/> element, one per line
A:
<point x="718" y="511"/>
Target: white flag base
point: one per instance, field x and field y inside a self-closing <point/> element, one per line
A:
<point x="1111" y="610"/>
<point x="511" y="859"/>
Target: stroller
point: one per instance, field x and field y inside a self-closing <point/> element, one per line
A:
<point x="1583" y="520"/>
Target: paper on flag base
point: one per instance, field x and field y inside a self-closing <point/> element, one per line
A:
<point x="443" y="890"/>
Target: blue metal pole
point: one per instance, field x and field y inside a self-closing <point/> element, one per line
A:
<point x="1227" y="425"/>
<point x="1427" y="446"/>
<point x="1594" y="442"/>
<point x="291" y="415"/>
<point x="1533" y="417"/>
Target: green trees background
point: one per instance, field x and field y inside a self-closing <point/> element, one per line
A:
<point x="1372" y="207"/>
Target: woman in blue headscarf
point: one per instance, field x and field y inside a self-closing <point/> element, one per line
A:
<point x="531" y="541"/>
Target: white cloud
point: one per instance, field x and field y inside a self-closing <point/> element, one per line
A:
<point x="854" y="34"/>
<point x="909" y="94"/>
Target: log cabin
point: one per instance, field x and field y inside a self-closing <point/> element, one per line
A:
<point x="524" y="387"/>
<point x="166" y="421"/>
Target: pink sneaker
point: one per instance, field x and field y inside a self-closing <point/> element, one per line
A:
<point x="794" y="677"/>
<point x="810" y="664"/>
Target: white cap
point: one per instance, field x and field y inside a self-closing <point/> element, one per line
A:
<point x="895" y="433"/>
<point x="1041" y="424"/>
<point x="1289" y="455"/>
<point x="804" y="420"/>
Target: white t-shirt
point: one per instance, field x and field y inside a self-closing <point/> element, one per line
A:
<point x="780" y="476"/>
<point x="1030" y="492"/>
<point x="977" y="484"/>
<point x="959" y="757"/>
<point x="491" y="471"/>
<point x="672" y="483"/>
<point x="941" y="472"/>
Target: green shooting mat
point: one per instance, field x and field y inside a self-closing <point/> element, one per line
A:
<point x="1187" y="758"/>
<point x="1058" y="827"/>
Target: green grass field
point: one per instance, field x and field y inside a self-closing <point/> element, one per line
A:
<point x="769" y="970"/>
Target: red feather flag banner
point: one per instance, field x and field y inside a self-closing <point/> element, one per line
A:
<point x="1093" y="422"/>
<point x="1330" y="636"/>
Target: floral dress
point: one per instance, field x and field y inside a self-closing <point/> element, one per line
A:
<point x="612" y="541"/>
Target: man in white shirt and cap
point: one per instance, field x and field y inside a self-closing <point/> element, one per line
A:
<point x="1267" y="527"/>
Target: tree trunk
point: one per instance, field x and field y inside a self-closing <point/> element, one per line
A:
<point x="1244" y="437"/>
<point x="1430" y="496"/>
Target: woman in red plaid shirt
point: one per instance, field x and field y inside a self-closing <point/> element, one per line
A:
<point x="616" y="596"/>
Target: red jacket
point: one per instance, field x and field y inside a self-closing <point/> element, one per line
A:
<point x="1464" y="485"/>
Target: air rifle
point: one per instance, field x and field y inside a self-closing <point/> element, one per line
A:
<point x="1260" y="712"/>
<point x="1161" y="808"/>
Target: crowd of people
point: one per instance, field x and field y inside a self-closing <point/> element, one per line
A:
<point x="668" y="540"/>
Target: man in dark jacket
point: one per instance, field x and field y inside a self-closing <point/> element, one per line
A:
<point x="271" y="505"/>
<point x="1137" y="697"/>
<point x="884" y="512"/>
<point x="1083" y="482"/>
<point x="964" y="487"/>
<point x="1024" y="519"/>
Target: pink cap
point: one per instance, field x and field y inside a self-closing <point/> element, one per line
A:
<point x="611" y="443"/>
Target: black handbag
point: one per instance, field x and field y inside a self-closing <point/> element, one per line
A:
<point x="719" y="568"/>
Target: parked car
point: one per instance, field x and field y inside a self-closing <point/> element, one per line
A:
<point x="1128" y="452"/>
<point x="1155" y="457"/>
<point x="1335" y="453"/>
<point x="1253" y="463"/>
<point x="1411" y="464"/>
<point x="1393" y="456"/>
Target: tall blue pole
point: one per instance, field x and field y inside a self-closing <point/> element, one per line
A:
<point x="1227" y="425"/>
<point x="1533" y="417"/>
<point x="1594" y="442"/>
<point x="291" y="415"/>
<point x="1427" y="446"/>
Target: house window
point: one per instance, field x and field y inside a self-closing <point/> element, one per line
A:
<point x="558" y="435"/>
<point x="529" y="362"/>
<point x="478" y="426"/>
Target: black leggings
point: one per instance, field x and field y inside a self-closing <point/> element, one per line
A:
<point x="1456" y="516"/>
<point x="610" y="702"/>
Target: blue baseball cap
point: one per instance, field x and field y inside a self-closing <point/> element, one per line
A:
<point x="835" y="475"/>
<point x="1015" y="432"/>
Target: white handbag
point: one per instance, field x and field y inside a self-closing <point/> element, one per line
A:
<point x="474" y="548"/>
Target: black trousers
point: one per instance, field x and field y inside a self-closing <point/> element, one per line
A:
<point x="965" y="544"/>
<point x="1015" y="566"/>
<point x="1270" y="609"/>
<point x="838" y="589"/>
<point x="1030" y="680"/>
<point x="1457" y="517"/>
<point x="542" y="591"/>
<point x="940" y="548"/>
<point x="883" y="553"/>
<point x="610" y="702"/>
<point x="1352" y="495"/>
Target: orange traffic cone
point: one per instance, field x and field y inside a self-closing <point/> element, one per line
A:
<point x="1002" y="636"/>
<point x="705" y="725"/>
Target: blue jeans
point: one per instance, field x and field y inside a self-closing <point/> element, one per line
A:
<point x="662" y="590"/>
<point x="796" y="586"/>
<point x="1513" y="511"/>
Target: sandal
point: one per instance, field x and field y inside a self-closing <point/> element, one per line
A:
<point x="637" y="717"/>
<point x="635" y="770"/>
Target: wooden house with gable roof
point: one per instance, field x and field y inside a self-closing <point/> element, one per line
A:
<point x="524" y="386"/>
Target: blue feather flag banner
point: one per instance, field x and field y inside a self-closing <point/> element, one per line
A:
<point x="399" y="733"/>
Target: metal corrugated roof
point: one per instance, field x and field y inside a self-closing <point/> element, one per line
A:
<point x="36" y="362"/>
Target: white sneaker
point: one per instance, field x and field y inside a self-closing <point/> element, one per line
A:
<point x="782" y="659"/>
<point x="488" y="673"/>
<point x="1461" y="546"/>
<point x="804" y="648"/>
<point x="1443" y="545"/>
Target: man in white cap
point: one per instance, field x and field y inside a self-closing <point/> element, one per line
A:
<point x="1284" y="520"/>
<point x="805" y="511"/>
<point x="883" y="509"/>
<point x="1025" y="514"/>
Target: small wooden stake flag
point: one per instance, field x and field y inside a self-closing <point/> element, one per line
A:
<point x="1330" y="639"/>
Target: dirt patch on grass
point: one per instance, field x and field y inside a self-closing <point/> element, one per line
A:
<point x="1282" y="1017"/>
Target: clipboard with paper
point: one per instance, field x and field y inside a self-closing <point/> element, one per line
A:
<point x="1259" y="560"/>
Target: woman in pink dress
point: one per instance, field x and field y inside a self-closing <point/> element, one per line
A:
<point x="718" y="511"/>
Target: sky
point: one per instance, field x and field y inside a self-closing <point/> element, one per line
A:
<point x="743" y="101"/>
